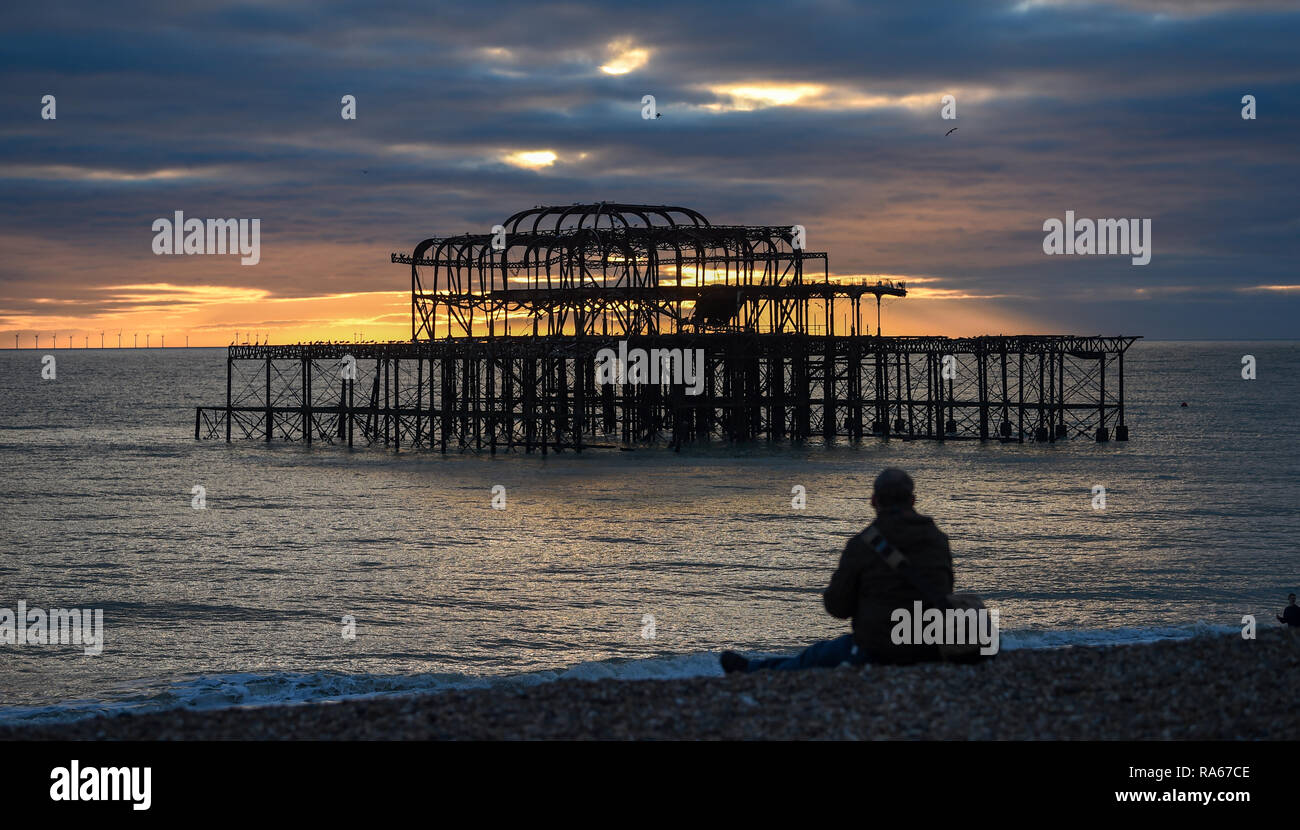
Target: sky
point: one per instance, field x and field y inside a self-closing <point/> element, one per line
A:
<point x="824" y="114"/>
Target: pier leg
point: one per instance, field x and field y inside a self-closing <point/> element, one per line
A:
<point x="270" y="423"/>
<point x="1121" y="431"/>
<point x="306" y="398"/>
<point x="445" y="404"/>
<point x="1051" y="398"/>
<point x="911" y="427"/>
<point x="829" y="410"/>
<point x="229" y="412"/>
<point x="982" y="366"/>
<point x="882" y="392"/>
<point x="1102" y="433"/>
<point x="419" y="401"/>
<point x="898" y="392"/>
<point x="1004" y="428"/>
<point x="1020" y="397"/>
<point x="1061" y="430"/>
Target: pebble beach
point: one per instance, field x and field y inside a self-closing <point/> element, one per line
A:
<point x="1205" y="688"/>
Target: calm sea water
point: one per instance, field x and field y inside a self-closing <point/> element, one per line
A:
<point x="243" y="602"/>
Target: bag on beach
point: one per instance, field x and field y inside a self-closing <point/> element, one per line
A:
<point x="897" y="561"/>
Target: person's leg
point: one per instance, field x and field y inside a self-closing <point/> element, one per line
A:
<point x="826" y="654"/>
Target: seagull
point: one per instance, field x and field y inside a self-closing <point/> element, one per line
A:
<point x="950" y="132"/>
<point x="659" y="115"/>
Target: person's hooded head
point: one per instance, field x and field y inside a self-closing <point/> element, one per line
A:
<point x="893" y="490"/>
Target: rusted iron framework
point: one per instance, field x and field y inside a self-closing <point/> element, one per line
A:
<point x="625" y="270"/>
<point x="509" y="328"/>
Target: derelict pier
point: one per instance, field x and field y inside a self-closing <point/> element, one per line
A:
<point x="569" y="328"/>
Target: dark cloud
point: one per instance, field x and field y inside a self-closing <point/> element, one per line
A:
<point x="1112" y="109"/>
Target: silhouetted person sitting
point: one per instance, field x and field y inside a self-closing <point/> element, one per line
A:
<point x="868" y="590"/>
<point x="1290" y="614"/>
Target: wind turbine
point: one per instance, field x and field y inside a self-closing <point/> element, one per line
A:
<point x="101" y="338"/>
<point x="147" y="335"/>
<point x="136" y="335"/>
<point x="119" y="338"/>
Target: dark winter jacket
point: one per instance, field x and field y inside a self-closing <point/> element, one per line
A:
<point x="868" y="590"/>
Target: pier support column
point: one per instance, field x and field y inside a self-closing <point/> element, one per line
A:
<point x="1121" y="431"/>
<point x="270" y="417"/>
<point x="982" y="366"/>
<point x="306" y="397"/>
<point x="230" y="366"/>
<point x="1103" y="434"/>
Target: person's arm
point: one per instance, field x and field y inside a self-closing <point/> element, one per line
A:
<point x="841" y="596"/>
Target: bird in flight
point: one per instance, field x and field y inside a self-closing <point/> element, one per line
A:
<point x="659" y="115"/>
<point x="950" y="132"/>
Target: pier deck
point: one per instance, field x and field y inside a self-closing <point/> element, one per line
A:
<point x="542" y="393"/>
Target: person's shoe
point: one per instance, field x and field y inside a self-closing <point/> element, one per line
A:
<point x="733" y="662"/>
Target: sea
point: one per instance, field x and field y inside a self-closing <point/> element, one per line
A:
<point x="322" y="573"/>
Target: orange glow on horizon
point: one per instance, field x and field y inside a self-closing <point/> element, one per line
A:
<point x="211" y="316"/>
